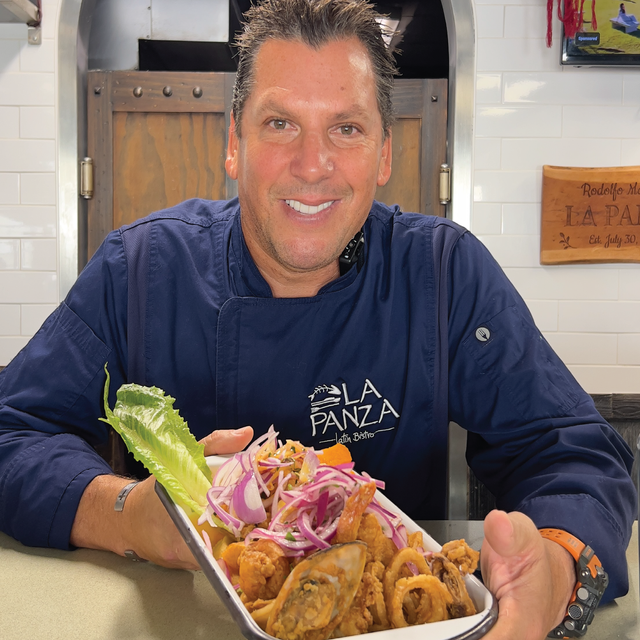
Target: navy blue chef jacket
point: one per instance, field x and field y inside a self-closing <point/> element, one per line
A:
<point x="428" y="330"/>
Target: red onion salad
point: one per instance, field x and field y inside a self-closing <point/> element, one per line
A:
<point x="295" y="500"/>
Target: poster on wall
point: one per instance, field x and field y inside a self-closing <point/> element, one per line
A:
<point x="590" y="215"/>
<point x="607" y="35"/>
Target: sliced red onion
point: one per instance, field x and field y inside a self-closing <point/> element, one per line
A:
<point x="400" y="537"/>
<point x="304" y="524"/>
<point x="226" y="471"/>
<point x="323" y="501"/>
<point x="246" y="501"/>
<point x="227" y="519"/>
<point x="207" y="541"/>
<point x="263" y="486"/>
<point x="223" y="565"/>
<point x="291" y="548"/>
<point x="319" y="501"/>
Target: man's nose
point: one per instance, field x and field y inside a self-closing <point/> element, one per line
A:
<point x="312" y="160"/>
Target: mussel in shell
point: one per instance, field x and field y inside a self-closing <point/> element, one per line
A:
<point x="317" y="593"/>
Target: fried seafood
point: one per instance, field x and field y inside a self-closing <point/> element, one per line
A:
<point x="379" y="547"/>
<point x="461" y="604"/>
<point x="349" y="521"/>
<point x="318" y="593"/>
<point x="231" y="554"/>
<point x="432" y="605"/>
<point x="462" y="555"/>
<point x="396" y="568"/>
<point x="340" y="592"/>
<point x="317" y="555"/>
<point x="359" y="618"/>
<point x="377" y="608"/>
<point x="260" y="611"/>
<point x="263" y="569"/>
<point x="415" y="541"/>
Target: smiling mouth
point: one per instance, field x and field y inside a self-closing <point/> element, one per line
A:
<point x="308" y="209"/>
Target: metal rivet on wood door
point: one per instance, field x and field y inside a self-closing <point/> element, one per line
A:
<point x="434" y="98"/>
<point x="97" y="90"/>
<point x="167" y="91"/>
<point x="137" y="92"/>
<point x="197" y="92"/>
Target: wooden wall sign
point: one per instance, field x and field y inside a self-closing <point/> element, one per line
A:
<point x="590" y="215"/>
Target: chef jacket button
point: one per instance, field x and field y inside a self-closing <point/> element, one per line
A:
<point x="483" y="334"/>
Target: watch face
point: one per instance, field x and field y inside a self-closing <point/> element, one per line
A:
<point x="583" y="606"/>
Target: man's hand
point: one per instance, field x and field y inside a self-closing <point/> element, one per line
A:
<point x="531" y="577"/>
<point x="144" y="526"/>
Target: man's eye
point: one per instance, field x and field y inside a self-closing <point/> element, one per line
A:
<point x="279" y="124"/>
<point x="347" y="129"/>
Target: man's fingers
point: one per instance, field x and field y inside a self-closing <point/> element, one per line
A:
<point x="227" y="441"/>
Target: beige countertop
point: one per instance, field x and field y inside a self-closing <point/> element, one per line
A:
<point x="94" y="595"/>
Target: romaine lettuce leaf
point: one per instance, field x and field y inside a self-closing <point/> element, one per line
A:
<point x="158" y="437"/>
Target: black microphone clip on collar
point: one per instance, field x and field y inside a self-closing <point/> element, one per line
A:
<point x="353" y="253"/>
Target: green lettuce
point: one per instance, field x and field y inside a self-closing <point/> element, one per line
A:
<point x="157" y="436"/>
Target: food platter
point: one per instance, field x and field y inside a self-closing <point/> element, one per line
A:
<point x="467" y="628"/>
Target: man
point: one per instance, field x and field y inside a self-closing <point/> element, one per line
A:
<point x="244" y="314"/>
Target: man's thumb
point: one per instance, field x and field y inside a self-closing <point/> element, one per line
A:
<point x="227" y="441"/>
<point x="508" y="533"/>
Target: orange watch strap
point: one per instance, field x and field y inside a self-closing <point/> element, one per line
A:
<point x="573" y="545"/>
<point x="564" y="539"/>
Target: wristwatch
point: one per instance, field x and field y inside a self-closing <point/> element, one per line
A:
<point x="591" y="583"/>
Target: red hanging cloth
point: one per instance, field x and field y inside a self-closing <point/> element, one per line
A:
<point x="570" y="13"/>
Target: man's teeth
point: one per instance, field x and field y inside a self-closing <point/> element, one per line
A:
<point x="307" y="208"/>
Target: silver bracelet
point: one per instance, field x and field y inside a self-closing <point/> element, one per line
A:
<point x="122" y="496"/>
<point x="132" y="555"/>
<point x="119" y="506"/>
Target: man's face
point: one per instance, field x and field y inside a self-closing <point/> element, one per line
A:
<point x="310" y="157"/>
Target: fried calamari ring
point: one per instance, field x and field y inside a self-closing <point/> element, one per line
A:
<point x="392" y="573"/>
<point x="433" y="601"/>
<point x="462" y="555"/>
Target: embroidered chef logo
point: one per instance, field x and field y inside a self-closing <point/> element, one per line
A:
<point x="346" y="415"/>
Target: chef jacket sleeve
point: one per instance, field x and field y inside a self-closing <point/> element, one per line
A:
<point x="535" y="438"/>
<point x="51" y="402"/>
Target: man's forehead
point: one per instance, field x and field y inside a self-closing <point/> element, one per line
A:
<point x="335" y="79"/>
<point x="355" y="53"/>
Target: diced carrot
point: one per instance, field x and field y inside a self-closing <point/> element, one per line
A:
<point x="336" y="454"/>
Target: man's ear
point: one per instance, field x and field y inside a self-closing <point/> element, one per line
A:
<point x="384" y="169"/>
<point x="231" y="162"/>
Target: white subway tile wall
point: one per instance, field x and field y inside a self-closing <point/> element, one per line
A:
<point x="9" y="318"/>
<point x="28" y="213"/>
<point x="544" y="113"/>
<point x="530" y="111"/>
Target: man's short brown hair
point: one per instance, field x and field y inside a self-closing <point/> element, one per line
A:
<point x="314" y="23"/>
